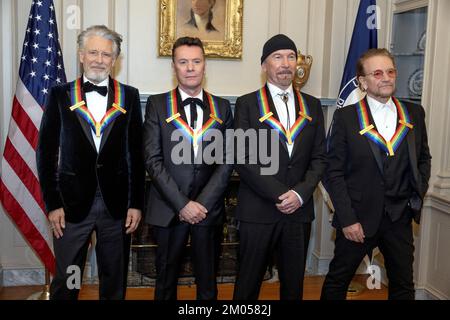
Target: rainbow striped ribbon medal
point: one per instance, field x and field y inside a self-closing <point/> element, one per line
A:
<point x="174" y="117"/>
<point x="80" y="106"/>
<point x="289" y="134"/>
<point x="370" y="132"/>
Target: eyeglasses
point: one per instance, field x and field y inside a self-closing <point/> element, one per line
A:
<point x="93" y="54"/>
<point x="378" y="74"/>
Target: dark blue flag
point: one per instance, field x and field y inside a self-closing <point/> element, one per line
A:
<point x="364" y="38"/>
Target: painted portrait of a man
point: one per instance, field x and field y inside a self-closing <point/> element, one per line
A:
<point x="204" y="19"/>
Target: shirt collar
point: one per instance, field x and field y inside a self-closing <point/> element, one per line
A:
<point x="274" y="90"/>
<point x="376" y="105"/>
<point x="184" y="95"/>
<point x="103" y="83"/>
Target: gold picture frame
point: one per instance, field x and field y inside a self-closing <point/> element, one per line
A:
<point x="221" y="37"/>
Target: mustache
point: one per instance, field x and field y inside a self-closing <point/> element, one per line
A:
<point x="98" y="66"/>
<point x="285" y="72"/>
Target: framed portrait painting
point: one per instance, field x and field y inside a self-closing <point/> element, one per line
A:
<point x="218" y="23"/>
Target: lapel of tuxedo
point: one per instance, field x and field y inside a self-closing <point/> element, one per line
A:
<point x="275" y="115"/>
<point x="206" y="109"/>
<point x="373" y="146"/>
<point x="108" y="129"/>
<point x="201" y="145"/>
<point x="411" y="141"/>
<point x="180" y="107"/>
<point x="84" y="125"/>
<point x="297" y="111"/>
<point x="183" y="117"/>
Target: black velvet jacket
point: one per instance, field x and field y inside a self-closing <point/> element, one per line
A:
<point x="70" y="168"/>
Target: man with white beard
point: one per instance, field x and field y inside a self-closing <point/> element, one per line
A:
<point x="90" y="166"/>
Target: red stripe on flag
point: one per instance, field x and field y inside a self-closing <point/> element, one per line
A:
<point x="24" y="172"/>
<point x="31" y="234"/>
<point x="25" y="124"/>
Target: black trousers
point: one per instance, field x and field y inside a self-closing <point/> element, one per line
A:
<point x="395" y="241"/>
<point x="171" y="249"/>
<point x="289" y="240"/>
<point x="112" y="250"/>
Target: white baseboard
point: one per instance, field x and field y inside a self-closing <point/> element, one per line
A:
<point x="318" y="265"/>
<point x="34" y="277"/>
<point x="429" y="293"/>
<point x="23" y="277"/>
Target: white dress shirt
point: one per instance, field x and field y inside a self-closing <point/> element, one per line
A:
<point x="97" y="105"/>
<point x="282" y="114"/>
<point x="187" y="110"/>
<point x="385" y="117"/>
<point x="281" y="108"/>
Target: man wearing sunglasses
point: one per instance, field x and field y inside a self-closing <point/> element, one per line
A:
<point x="377" y="175"/>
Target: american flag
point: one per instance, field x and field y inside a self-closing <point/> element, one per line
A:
<point x="41" y="67"/>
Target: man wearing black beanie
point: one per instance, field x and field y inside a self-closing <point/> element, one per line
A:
<point x="275" y="211"/>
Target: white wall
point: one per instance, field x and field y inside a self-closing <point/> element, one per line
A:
<point x="322" y="28"/>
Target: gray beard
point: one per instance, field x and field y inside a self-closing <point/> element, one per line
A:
<point x="96" y="77"/>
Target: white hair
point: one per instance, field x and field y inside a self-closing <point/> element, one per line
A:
<point x="101" y="31"/>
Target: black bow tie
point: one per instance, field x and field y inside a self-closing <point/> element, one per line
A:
<point x="195" y="101"/>
<point x="89" y="86"/>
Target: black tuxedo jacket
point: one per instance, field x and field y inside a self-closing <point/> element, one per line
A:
<point x="301" y="172"/>
<point x="70" y="168"/>
<point x="174" y="184"/>
<point x="354" y="172"/>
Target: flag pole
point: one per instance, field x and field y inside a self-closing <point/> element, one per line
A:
<point x="45" y="293"/>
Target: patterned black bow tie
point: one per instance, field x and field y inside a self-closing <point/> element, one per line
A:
<point x="89" y="86"/>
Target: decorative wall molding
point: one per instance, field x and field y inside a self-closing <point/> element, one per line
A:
<point x="23" y="277"/>
<point x="1" y="277"/>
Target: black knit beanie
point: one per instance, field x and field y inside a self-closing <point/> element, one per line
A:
<point x="277" y="42"/>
